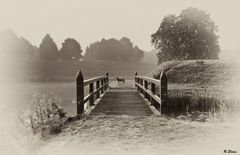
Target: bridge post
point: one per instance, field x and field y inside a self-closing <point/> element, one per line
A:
<point x="163" y="88"/>
<point x="102" y="89"/>
<point x="146" y="87"/>
<point x="80" y="92"/>
<point x="107" y="80"/>
<point x="91" y="100"/>
<point x="136" y="81"/>
<point x="153" y="90"/>
<point x="98" y="86"/>
<point x="141" y="82"/>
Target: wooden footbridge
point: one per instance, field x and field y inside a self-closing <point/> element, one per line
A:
<point x="144" y="99"/>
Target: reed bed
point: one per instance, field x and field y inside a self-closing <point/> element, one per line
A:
<point x="203" y="103"/>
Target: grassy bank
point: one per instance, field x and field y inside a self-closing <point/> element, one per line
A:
<point x="198" y="74"/>
<point x="204" y="86"/>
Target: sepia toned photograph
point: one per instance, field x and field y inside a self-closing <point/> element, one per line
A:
<point x="119" y="77"/>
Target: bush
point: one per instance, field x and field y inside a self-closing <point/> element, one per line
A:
<point x="47" y="117"/>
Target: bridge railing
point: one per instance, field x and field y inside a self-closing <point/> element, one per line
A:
<point x="101" y="85"/>
<point x="154" y="90"/>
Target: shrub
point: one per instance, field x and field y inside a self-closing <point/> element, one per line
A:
<point x="47" y="117"/>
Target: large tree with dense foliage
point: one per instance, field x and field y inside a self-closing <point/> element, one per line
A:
<point x="191" y="35"/>
<point x="48" y="49"/>
<point x="114" y="50"/>
<point x="71" y="50"/>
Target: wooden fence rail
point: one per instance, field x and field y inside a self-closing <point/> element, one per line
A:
<point x="148" y="87"/>
<point x="101" y="85"/>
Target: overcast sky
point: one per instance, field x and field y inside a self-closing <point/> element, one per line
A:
<point x="90" y="20"/>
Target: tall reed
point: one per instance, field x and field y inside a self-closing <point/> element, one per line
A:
<point x="198" y="102"/>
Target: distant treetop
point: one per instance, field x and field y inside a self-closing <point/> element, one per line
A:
<point x="71" y="50"/>
<point x="48" y="49"/>
<point x="114" y="50"/>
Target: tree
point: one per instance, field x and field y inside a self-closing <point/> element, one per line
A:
<point x="48" y="49"/>
<point x="71" y="50"/>
<point x="126" y="42"/>
<point x="25" y="47"/>
<point x="14" y="47"/>
<point x="8" y="43"/>
<point x="191" y="35"/>
<point x="114" y="50"/>
<point x="138" y="53"/>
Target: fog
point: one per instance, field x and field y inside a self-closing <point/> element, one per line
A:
<point x="89" y="20"/>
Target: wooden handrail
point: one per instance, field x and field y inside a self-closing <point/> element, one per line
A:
<point x="154" y="96"/>
<point x="150" y="80"/>
<point x="102" y="84"/>
<point x="143" y="83"/>
<point x="86" y="98"/>
<point x="89" y="81"/>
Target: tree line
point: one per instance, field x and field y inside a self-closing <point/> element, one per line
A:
<point x="190" y="35"/>
<point x="70" y="50"/>
<point x="114" y="50"/>
<point x="14" y="47"/>
<point x="109" y="50"/>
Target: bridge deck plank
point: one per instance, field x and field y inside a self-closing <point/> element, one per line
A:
<point x="122" y="101"/>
